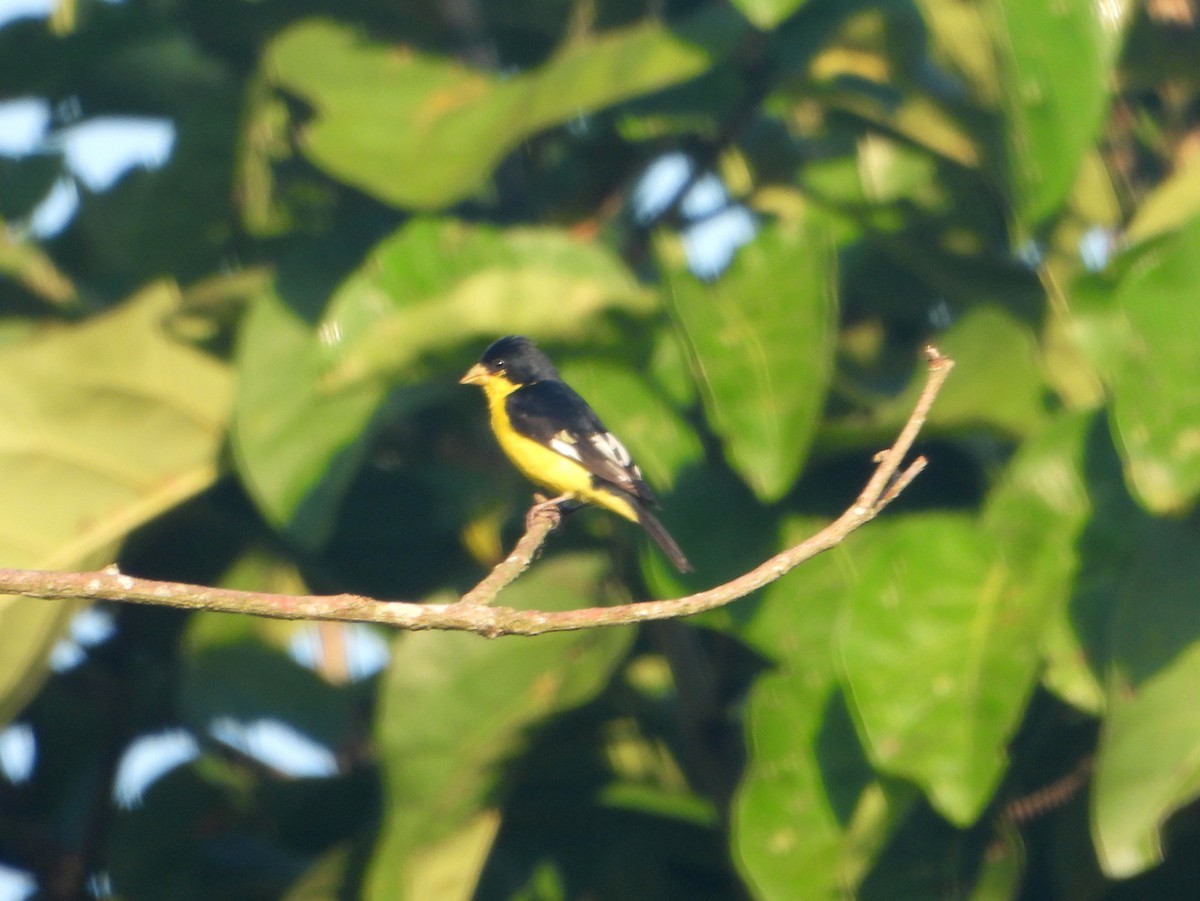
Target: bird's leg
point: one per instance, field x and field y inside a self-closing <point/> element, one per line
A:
<point x="543" y="505"/>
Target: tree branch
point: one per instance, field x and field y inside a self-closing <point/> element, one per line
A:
<point x="473" y="613"/>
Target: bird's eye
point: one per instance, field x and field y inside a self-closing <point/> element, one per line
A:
<point x="497" y="365"/>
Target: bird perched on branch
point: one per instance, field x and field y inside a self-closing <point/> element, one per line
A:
<point x="557" y="441"/>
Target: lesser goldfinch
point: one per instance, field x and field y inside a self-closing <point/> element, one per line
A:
<point x="557" y="441"/>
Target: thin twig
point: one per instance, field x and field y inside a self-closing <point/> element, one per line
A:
<point x="472" y="612"/>
<point x="506" y="571"/>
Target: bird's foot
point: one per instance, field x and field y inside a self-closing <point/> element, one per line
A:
<point x="544" y="507"/>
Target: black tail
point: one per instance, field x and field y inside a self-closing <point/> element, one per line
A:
<point x="663" y="539"/>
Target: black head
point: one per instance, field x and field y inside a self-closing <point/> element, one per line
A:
<point x="519" y="359"/>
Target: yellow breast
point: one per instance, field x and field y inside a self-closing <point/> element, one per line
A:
<point x="546" y="467"/>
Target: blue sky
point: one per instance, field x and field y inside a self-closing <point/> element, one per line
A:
<point x="96" y="151"/>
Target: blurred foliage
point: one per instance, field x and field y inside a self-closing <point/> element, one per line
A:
<point x="239" y="369"/>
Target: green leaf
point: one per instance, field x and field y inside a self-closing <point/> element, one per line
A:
<point x="938" y="653"/>
<point x="1156" y="408"/>
<point x="768" y="13"/>
<point x="424" y="131"/>
<point x="296" y="445"/>
<point x="990" y="347"/>
<point x="455" y="709"/>
<point x="1036" y="517"/>
<point x="1002" y="874"/>
<point x="1054" y="100"/>
<point x="323" y="881"/>
<point x="1141" y="339"/>
<point x="435" y="284"/>
<point x="809" y="816"/>
<point x="308" y="392"/>
<point x="1168" y="207"/>
<point x="761" y="342"/>
<point x="1148" y="764"/>
<point x="962" y="42"/>
<point x="108" y="424"/>
<point x="449" y="868"/>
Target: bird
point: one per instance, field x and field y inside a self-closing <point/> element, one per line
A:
<point x="557" y="441"/>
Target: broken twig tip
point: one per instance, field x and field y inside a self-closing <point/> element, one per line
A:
<point x="936" y="359"/>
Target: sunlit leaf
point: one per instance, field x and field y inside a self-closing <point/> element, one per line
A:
<point x="938" y="652"/>
<point x="449" y="869"/>
<point x="1036" y="516"/>
<point x="296" y="445"/>
<point x="1054" y="101"/>
<point x="424" y="131"/>
<point x="768" y="13"/>
<point x="108" y="424"/>
<point x="436" y="283"/>
<point x="810" y="815"/>
<point x="1139" y="333"/>
<point x="989" y="346"/>
<point x="761" y="343"/>
<point x="1171" y="205"/>
<point x="962" y="41"/>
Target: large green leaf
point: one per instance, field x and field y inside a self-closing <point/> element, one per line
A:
<point x="1149" y="759"/>
<point x="308" y="392"/>
<point x="1054" y="100"/>
<point x="436" y="283"/>
<point x="1036" y="517"/>
<point x="424" y="131"/>
<point x="296" y="444"/>
<point x="454" y="709"/>
<point x="990" y="347"/>
<point x="761" y="342"/>
<point x="939" y="653"/>
<point x="108" y="424"/>
<point x="1156" y="407"/>
<point x="1140" y="335"/>
<point x="809" y="816"/>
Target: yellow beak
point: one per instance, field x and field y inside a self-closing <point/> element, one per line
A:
<point x="476" y="375"/>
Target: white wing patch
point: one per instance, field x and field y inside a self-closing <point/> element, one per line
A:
<point x="564" y="443"/>
<point x="612" y="449"/>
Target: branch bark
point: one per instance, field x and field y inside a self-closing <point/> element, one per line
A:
<point x="473" y="612"/>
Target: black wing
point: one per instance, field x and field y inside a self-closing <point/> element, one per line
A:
<point x="554" y="415"/>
